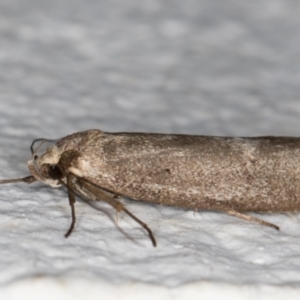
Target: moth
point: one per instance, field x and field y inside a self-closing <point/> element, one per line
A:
<point x="225" y="174"/>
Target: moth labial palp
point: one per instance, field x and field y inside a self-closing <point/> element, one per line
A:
<point x="226" y="174"/>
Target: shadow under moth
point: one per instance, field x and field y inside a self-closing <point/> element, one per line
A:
<point x="226" y="174"/>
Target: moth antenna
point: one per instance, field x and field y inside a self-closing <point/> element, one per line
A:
<point x="27" y="179"/>
<point x="40" y="145"/>
<point x="33" y="151"/>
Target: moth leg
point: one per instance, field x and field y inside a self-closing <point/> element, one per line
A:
<point x="117" y="197"/>
<point x="250" y="218"/>
<point x="142" y="224"/>
<point x="291" y="214"/>
<point x="101" y="195"/>
<point x="71" y="202"/>
<point x="120" y="207"/>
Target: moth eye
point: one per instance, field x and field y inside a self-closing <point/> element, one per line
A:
<point x="35" y="157"/>
<point x="55" y="172"/>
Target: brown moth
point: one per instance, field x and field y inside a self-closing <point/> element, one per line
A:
<point x="227" y="174"/>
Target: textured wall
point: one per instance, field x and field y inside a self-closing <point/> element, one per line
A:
<point x="201" y="67"/>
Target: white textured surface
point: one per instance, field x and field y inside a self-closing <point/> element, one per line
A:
<point x="202" y="67"/>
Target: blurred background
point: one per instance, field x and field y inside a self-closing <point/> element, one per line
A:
<point x="197" y="66"/>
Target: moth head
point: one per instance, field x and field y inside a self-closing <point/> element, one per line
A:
<point x="48" y="167"/>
